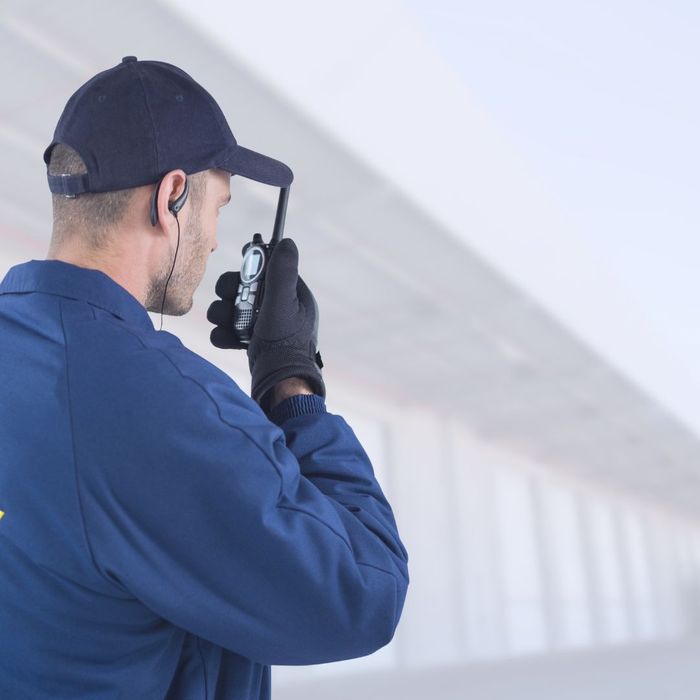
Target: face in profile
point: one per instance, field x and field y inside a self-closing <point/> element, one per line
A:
<point x="198" y="239"/>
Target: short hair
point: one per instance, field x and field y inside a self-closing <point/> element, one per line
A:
<point x="94" y="215"/>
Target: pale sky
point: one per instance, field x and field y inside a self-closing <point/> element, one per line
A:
<point x="557" y="140"/>
<point x="602" y="99"/>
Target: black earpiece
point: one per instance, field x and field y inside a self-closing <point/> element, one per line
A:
<point x="174" y="207"/>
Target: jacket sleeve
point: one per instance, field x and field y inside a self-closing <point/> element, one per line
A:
<point x="277" y="544"/>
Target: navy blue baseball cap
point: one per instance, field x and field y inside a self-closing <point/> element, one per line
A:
<point x="133" y="123"/>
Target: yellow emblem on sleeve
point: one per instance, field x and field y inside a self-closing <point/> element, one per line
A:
<point x="2" y="512"/>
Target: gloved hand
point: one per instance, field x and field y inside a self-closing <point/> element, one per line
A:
<point x="283" y="343"/>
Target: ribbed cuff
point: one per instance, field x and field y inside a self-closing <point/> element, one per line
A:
<point x="298" y="405"/>
<point x="262" y="385"/>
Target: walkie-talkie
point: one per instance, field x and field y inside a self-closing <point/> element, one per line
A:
<point x="256" y="254"/>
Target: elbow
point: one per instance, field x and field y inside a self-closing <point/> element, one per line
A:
<point x="401" y="585"/>
<point x="382" y="609"/>
<point x="353" y="619"/>
<point x="363" y="618"/>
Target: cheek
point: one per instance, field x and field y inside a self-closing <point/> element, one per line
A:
<point x="211" y="221"/>
<point x="207" y="230"/>
<point x="212" y="231"/>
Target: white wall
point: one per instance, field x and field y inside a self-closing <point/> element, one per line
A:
<point x="509" y="559"/>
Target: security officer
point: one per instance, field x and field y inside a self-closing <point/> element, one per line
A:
<point x="162" y="534"/>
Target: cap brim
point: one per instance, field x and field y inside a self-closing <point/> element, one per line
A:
<point x="255" y="166"/>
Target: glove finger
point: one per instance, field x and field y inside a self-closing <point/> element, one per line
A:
<point x="225" y="338"/>
<point x="281" y="277"/>
<point x="220" y="312"/>
<point x="227" y="284"/>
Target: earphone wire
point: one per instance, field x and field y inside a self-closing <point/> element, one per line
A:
<point x="171" y="271"/>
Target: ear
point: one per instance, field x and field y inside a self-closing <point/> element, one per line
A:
<point x="169" y="196"/>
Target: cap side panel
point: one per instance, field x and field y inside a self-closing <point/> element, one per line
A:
<point x="156" y="155"/>
<point x="226" y="133"/>
<point x="131" y="128"/>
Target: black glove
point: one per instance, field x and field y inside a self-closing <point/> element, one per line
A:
<point x="283" y="343"/>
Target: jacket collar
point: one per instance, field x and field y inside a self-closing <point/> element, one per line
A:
<point x="74" y="282"/>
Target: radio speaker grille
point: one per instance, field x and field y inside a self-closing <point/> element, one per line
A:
<point x="241" y="318"/>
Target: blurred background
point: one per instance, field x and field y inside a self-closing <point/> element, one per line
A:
<point x="496" y="208"/>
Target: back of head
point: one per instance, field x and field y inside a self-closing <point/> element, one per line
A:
<point x="94" y="217"/>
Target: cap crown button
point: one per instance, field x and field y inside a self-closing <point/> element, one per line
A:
<point x="129" y="59"/>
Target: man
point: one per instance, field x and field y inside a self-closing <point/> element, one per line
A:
<point x="162" y="534"/>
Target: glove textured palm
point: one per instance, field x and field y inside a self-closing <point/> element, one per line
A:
<point x="285" y="335"/>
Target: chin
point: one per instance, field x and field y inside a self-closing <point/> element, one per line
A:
<point x="186" y="308"/>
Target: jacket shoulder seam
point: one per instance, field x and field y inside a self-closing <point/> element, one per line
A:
<point x="237" y="428"/>
<point x="260" y="449"/>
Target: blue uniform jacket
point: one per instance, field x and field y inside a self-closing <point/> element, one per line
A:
<point x="161" y="537"/>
